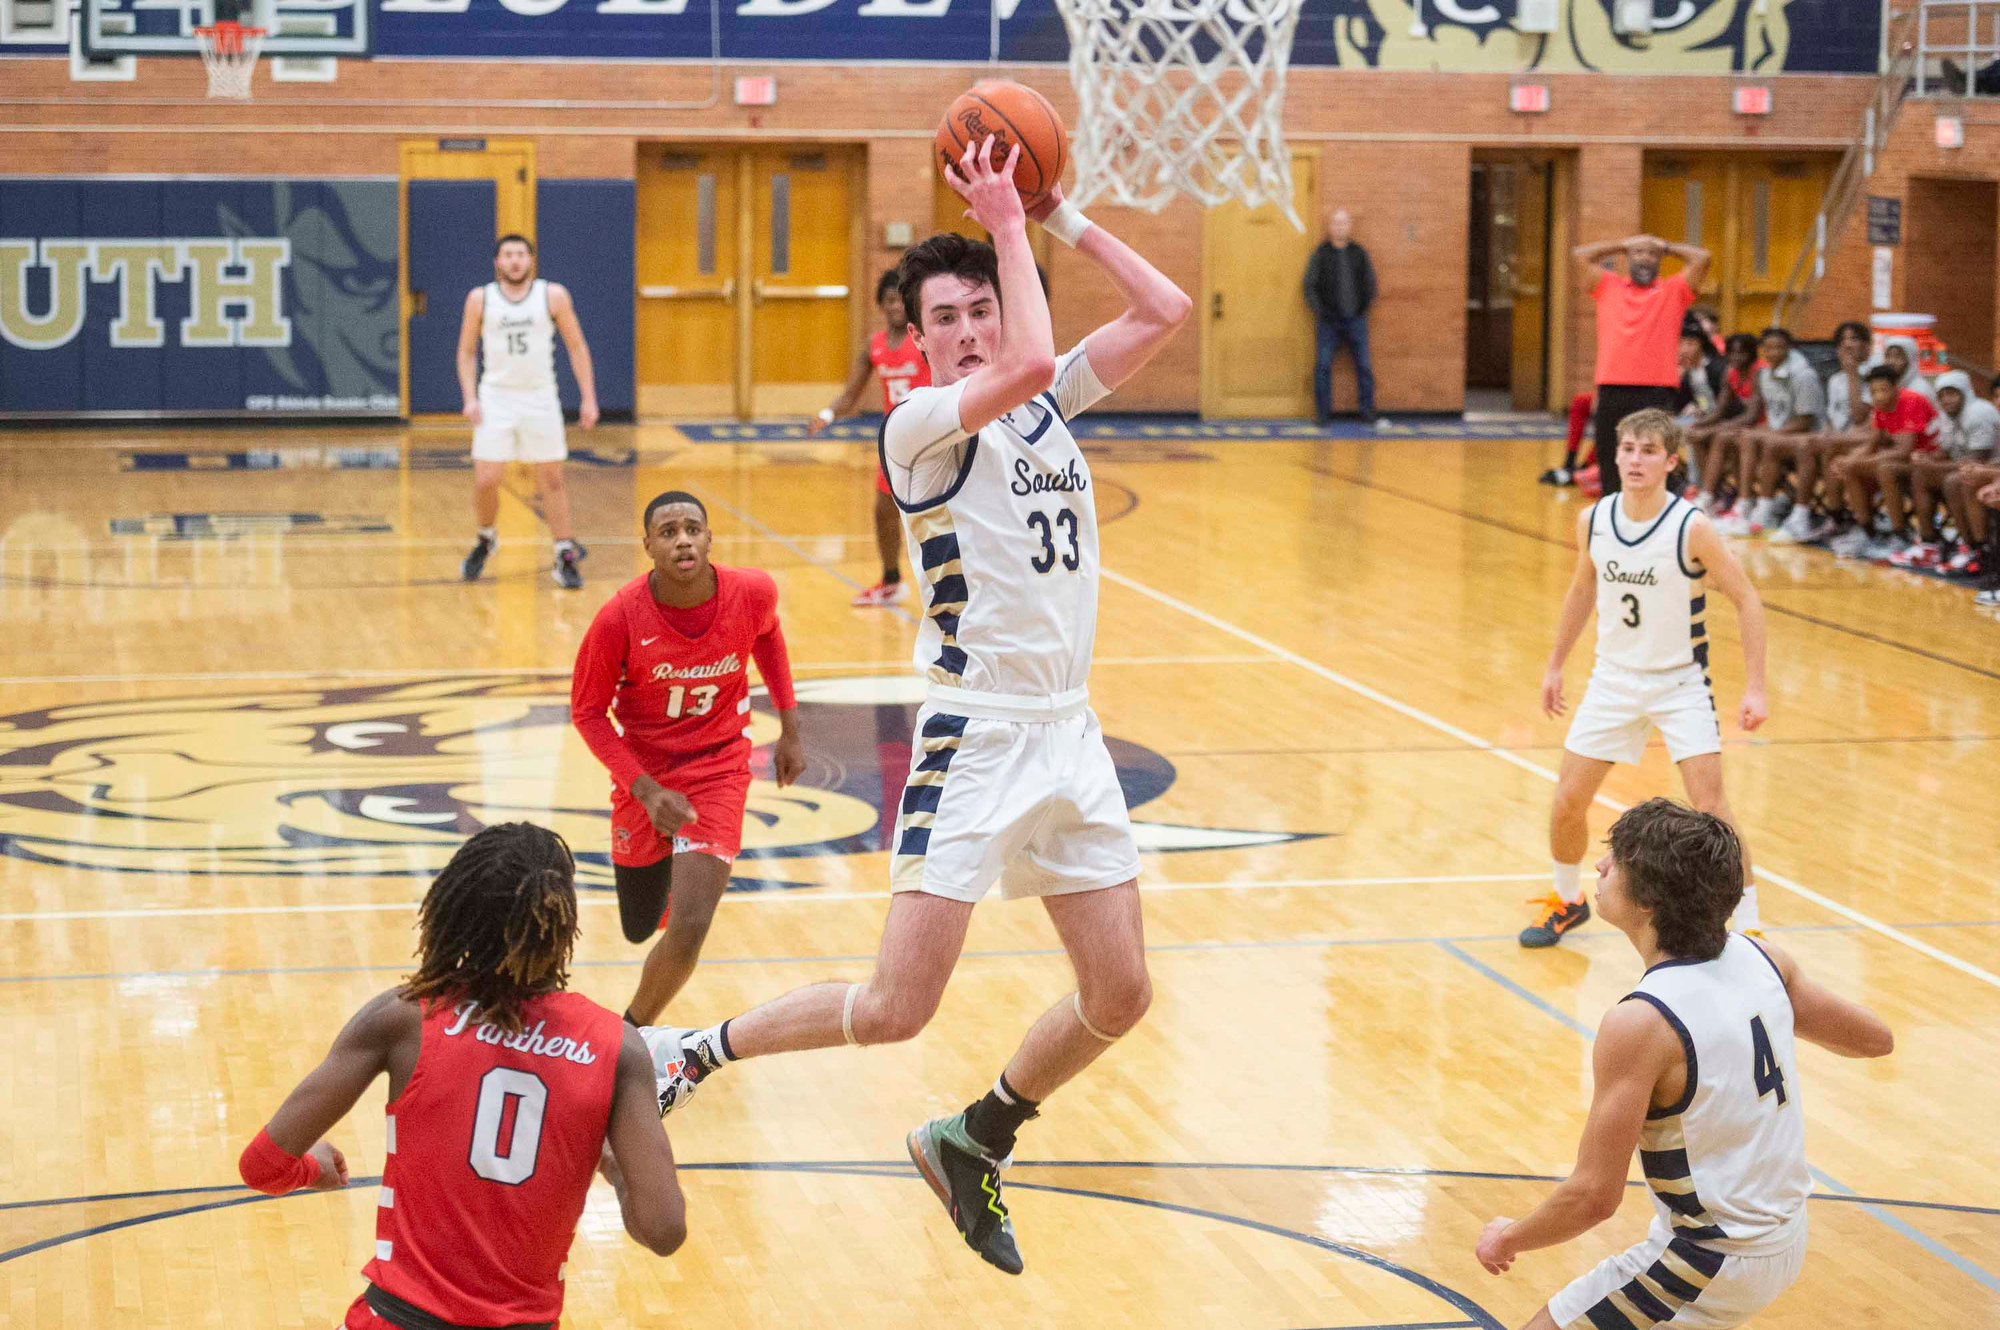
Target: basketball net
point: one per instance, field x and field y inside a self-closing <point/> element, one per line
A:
<point x="1181" y="96"/>
<point x="229" y="51"/>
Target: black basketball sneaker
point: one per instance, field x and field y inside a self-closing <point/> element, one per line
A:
<point x="568" y="576"/>
<point x="967" y="1180"/>
<point x="475" y="562"/>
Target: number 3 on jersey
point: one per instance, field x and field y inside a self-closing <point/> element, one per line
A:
<point x="1046" y="559"/>
<point x="690" y="701"/>
<point x="1764" y="1066"/>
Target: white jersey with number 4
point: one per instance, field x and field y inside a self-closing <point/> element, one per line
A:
<point x="1650" y="601"/>
<point x="1727" y="1163"/>
<point x="518" y="341"/>
<point x="1002" y="528"/>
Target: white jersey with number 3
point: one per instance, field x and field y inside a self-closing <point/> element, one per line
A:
<point x="1649" y="598"/>
<point x="518" y="340"/>
<point x="1727" y="1164"/>
<point x="1002" y="528"/>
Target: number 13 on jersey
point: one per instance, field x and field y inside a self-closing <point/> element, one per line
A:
<point x="684" y="701"/>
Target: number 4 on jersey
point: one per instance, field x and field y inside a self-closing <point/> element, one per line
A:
<point x="1764" y="1066"/>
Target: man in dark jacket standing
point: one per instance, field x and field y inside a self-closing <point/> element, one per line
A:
<point x="1340" y="286"/>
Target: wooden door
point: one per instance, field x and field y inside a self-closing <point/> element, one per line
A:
<point x="1777" y="199"/>
<point x="800" y="267"/>
<point x="1529" y="279"/>
<point x="686" y="335"/>
<point x="509" y="164"/>
<point x="1687" y="198"/>
<point x="1489" y="277"/>
<point x="1257" y="339"/>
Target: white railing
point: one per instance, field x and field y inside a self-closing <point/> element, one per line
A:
<point x="1964" y="34"/>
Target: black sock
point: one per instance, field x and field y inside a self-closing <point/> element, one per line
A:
<point x="891" y="576"/>
<point x="632" y="1020"/>
<point x="994" y="1119"/>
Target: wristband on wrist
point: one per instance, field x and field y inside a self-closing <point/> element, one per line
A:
<point x="267" y="1167"/>
<point x="1067" y="223"/>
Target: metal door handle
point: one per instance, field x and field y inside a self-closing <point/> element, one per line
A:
<point x="419" y="304"/>
<point x="768" y="291"/>
<point x="722" y="292"/>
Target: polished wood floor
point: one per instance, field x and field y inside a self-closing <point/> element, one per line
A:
<point x="235" y="743"/>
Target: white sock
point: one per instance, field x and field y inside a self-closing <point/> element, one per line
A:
<point x="718" y="1039"/>
<point x="1567" y="885"/>
<point x="490" y="534"/>
<point x="565" y="543"/>
<point x="1746" y="915"/>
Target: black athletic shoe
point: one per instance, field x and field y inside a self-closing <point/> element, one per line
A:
<point x="967" y="1180"/>
<point x="568" y="576"/>
<point x="1554" y="917"/>
<point x="475" y="562"/>
<point x="1555" y="475"/>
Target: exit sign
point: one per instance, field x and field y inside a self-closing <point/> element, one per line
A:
<point x="759" y="91"/>
<point x="1753" y="101"/>
<point x="1528" y="98"/>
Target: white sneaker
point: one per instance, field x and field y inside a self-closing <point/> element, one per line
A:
<point x="1851" y="543"/>
<point x="1990" y="599"/>
<point x="1735" y="522"/>
<point x="1818" y="530"/>
<point x="1884" y="548"/>
<point x="1794" y="528"/>
<point x="1760" y="516"/>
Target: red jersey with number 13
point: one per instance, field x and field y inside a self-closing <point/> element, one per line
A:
<point x="678" y="700"/>
<point x="900" y="367"/>
<point x="491" y="1147"/>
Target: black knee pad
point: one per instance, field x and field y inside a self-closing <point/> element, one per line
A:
<point x="642" y="896"/>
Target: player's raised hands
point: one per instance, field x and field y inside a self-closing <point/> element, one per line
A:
<point x="332" y="1167"/>
<point x="992" y="200"/>
<point x="668" y="810"/>
<point x="1552" y="694"/>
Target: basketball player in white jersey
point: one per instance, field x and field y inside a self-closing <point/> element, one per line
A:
<point x="1695" y="1070"/>
<point x="1010" y="780"/>
<point x="1645" y="561"/>
<point x="511" y="323"/>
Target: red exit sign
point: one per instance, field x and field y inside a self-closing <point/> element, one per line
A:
<point x="1753" y="101"/>
<point x="759" y="91"/>
<point x="1528" y="98"/>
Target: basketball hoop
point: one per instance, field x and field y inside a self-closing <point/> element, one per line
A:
<point x="1182" y="96"/>
<point x="229" y="50"/>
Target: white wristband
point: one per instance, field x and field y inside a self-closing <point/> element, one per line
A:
<point x="826" y="414"/>
<point x="1067" y="223"/>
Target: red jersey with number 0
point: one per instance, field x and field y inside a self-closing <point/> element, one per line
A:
<point x="900" y="367"/>
<point x="674" y="700"/>
<point x="491" y="1147"/>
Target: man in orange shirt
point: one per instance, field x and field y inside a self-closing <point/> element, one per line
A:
<point x="1638" y="331"/>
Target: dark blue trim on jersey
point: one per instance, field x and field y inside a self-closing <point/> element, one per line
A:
<point x="1666" y="1165"/>
<point x="1665" y="513"/>
<point x="1590" y="531"/>
<point x="882" y="459"/>
<point x="1701" y="657"/>
<point x="1681" y="545"/>
<point x="942" y="726"/>
<point x="1701" y="1258"/>
<point x="1768" y="961"/>
<point x="1661" y="1274"/>
<point x="922" y="798"/>
<point x="1647" y="1302"/>
<point x="1051" y="418"/>
<point x="1679" y="1106"/>
<point x="938" y="550"/>
<point x="948" y="590"/>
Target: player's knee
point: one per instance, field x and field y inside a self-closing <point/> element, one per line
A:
<point x="1115" y="1006"/>
<point x="891" y="1018"/>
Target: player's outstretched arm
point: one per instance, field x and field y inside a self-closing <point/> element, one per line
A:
<point x="1025" y="361"/>
<point x="1578" y="601"/>
<point x="1634" y="1047"/>
<point x="468" y="351"/>
<point x="1155" y="308"/>
<point x="641" y="1164"/>
<point x="562" y="310"/>
<point x="1825" y="1018"/>
<point x="277" y="1161"/>
<point x="1730" y="579"/>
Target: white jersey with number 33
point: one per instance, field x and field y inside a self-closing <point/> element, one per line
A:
<point x="1002" y="527"/>
<point x="518" y="340"/>
<point x="1649" y="599"/>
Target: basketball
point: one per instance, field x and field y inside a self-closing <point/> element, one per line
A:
<point x="1012" y="113"/>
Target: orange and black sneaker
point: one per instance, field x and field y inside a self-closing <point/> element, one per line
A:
<point x="1554" y="916"/>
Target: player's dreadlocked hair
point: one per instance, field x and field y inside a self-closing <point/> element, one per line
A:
<point x="498" y="924"/>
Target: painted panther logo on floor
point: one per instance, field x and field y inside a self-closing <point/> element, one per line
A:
<point x="387" y="779"/>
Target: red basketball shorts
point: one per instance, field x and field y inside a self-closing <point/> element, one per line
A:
<point x="718" y="795"/>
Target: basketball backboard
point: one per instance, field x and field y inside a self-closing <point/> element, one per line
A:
<point x="112" y="28"/>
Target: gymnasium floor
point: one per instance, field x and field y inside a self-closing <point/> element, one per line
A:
<point x="236" y="743"/>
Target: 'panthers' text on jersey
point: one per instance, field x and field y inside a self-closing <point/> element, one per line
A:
<point x="1002" y="528"/>
<point x="518" y="340"/>
<point x="1727" y="1163"/>
<point x="1650" y="600"/>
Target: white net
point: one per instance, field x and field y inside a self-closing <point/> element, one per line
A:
<point x="1182" y="96"/>
<point x="229" y="51"/>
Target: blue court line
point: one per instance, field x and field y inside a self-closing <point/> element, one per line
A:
<point x="1277" y="944"/>
<point x="1970" y="1269"/>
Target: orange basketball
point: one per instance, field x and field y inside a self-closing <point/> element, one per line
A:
<point x="1012" y="113"/>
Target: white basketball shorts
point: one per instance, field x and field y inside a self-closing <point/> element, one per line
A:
<point x="518" y="426"/>
<point x="1667" y="1280"/>
<point x="1034" y="805"/>
<point x="1619" y="704"/>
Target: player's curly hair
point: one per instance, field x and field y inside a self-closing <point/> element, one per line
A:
<point x="1685" y="866"/>
<point x="498" y="924"/>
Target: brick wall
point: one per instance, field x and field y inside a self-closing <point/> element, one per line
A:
<point x="1395" y="147"/>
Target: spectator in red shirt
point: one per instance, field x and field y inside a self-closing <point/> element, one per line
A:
<point x="1905" y="425"/>
<point x="668" y="657"/>
<point x="1638" y="331"/>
